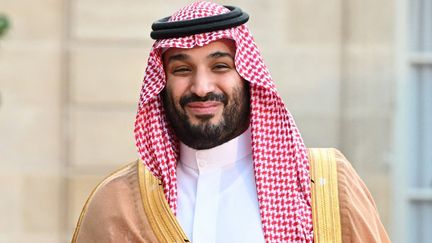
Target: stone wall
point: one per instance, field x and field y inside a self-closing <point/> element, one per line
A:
<point x="70" y="74"/>
<point x="31" y="141"/>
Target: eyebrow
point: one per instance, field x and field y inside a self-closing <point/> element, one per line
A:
<point x="182" y="56"/>
<point x="220" y="54"/>
<point x="178" y="57"/>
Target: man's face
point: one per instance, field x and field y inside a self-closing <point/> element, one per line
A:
<point x="206" y="100"/>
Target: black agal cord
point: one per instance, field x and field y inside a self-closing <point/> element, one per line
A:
<point x="162" y="29"/>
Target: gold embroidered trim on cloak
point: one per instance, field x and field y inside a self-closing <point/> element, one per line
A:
<point x="159" y="214"/>
<point x="325" y="198"/>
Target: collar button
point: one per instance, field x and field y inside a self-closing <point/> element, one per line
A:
<point x="202" y="163"/>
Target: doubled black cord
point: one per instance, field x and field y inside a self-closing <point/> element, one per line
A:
<point x="163" y="29"/>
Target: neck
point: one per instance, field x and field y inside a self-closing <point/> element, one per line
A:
<point x="219" y="156"/>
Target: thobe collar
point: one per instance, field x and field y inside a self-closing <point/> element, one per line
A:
<point x="220" y="156"/>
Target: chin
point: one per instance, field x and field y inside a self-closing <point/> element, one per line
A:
<point x="209" y="119"/>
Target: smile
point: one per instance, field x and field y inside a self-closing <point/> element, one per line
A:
<point x="203" y="107"/>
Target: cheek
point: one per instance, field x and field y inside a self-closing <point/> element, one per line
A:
<point x="176" y="87"/>
<point x="236" y="84"/>
<point x="174" y="99"/>
<point x="172" y="90"/>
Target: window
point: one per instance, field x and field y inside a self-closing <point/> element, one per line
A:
<point x="413" y="133"/>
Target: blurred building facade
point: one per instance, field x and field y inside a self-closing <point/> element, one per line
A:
<point x="71" y="71"/>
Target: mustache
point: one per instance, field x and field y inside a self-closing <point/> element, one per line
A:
<point x="184" y="100"/>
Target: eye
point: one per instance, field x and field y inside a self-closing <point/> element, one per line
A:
<point x="181" y="70"/>
<point x="221" y="67"/>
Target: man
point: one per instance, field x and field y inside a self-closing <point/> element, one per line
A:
<point x="221" y="159"/>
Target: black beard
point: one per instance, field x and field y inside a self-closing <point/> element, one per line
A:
<point x="235" y="118"/>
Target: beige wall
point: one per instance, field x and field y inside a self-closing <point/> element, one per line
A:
<point x="70" y="74"/>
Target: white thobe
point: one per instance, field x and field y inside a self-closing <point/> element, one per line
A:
<point x="217" y="198"/>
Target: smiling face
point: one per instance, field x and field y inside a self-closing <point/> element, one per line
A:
<point x="206" y="100"/>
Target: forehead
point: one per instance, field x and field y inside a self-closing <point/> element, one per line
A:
<point x="223" y="45"/>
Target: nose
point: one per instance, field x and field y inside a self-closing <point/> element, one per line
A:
<point x="202" y="83"/>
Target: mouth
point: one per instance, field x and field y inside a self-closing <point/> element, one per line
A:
<point x="200" y="108"/>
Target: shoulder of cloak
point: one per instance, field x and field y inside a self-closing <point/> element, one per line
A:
<point x="360" y="221"/>
<point x="114" y="212"/>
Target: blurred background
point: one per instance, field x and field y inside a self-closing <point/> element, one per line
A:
<point x="356" y="74"/>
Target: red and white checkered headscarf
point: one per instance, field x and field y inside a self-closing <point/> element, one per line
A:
<point x="279" y="155"/>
